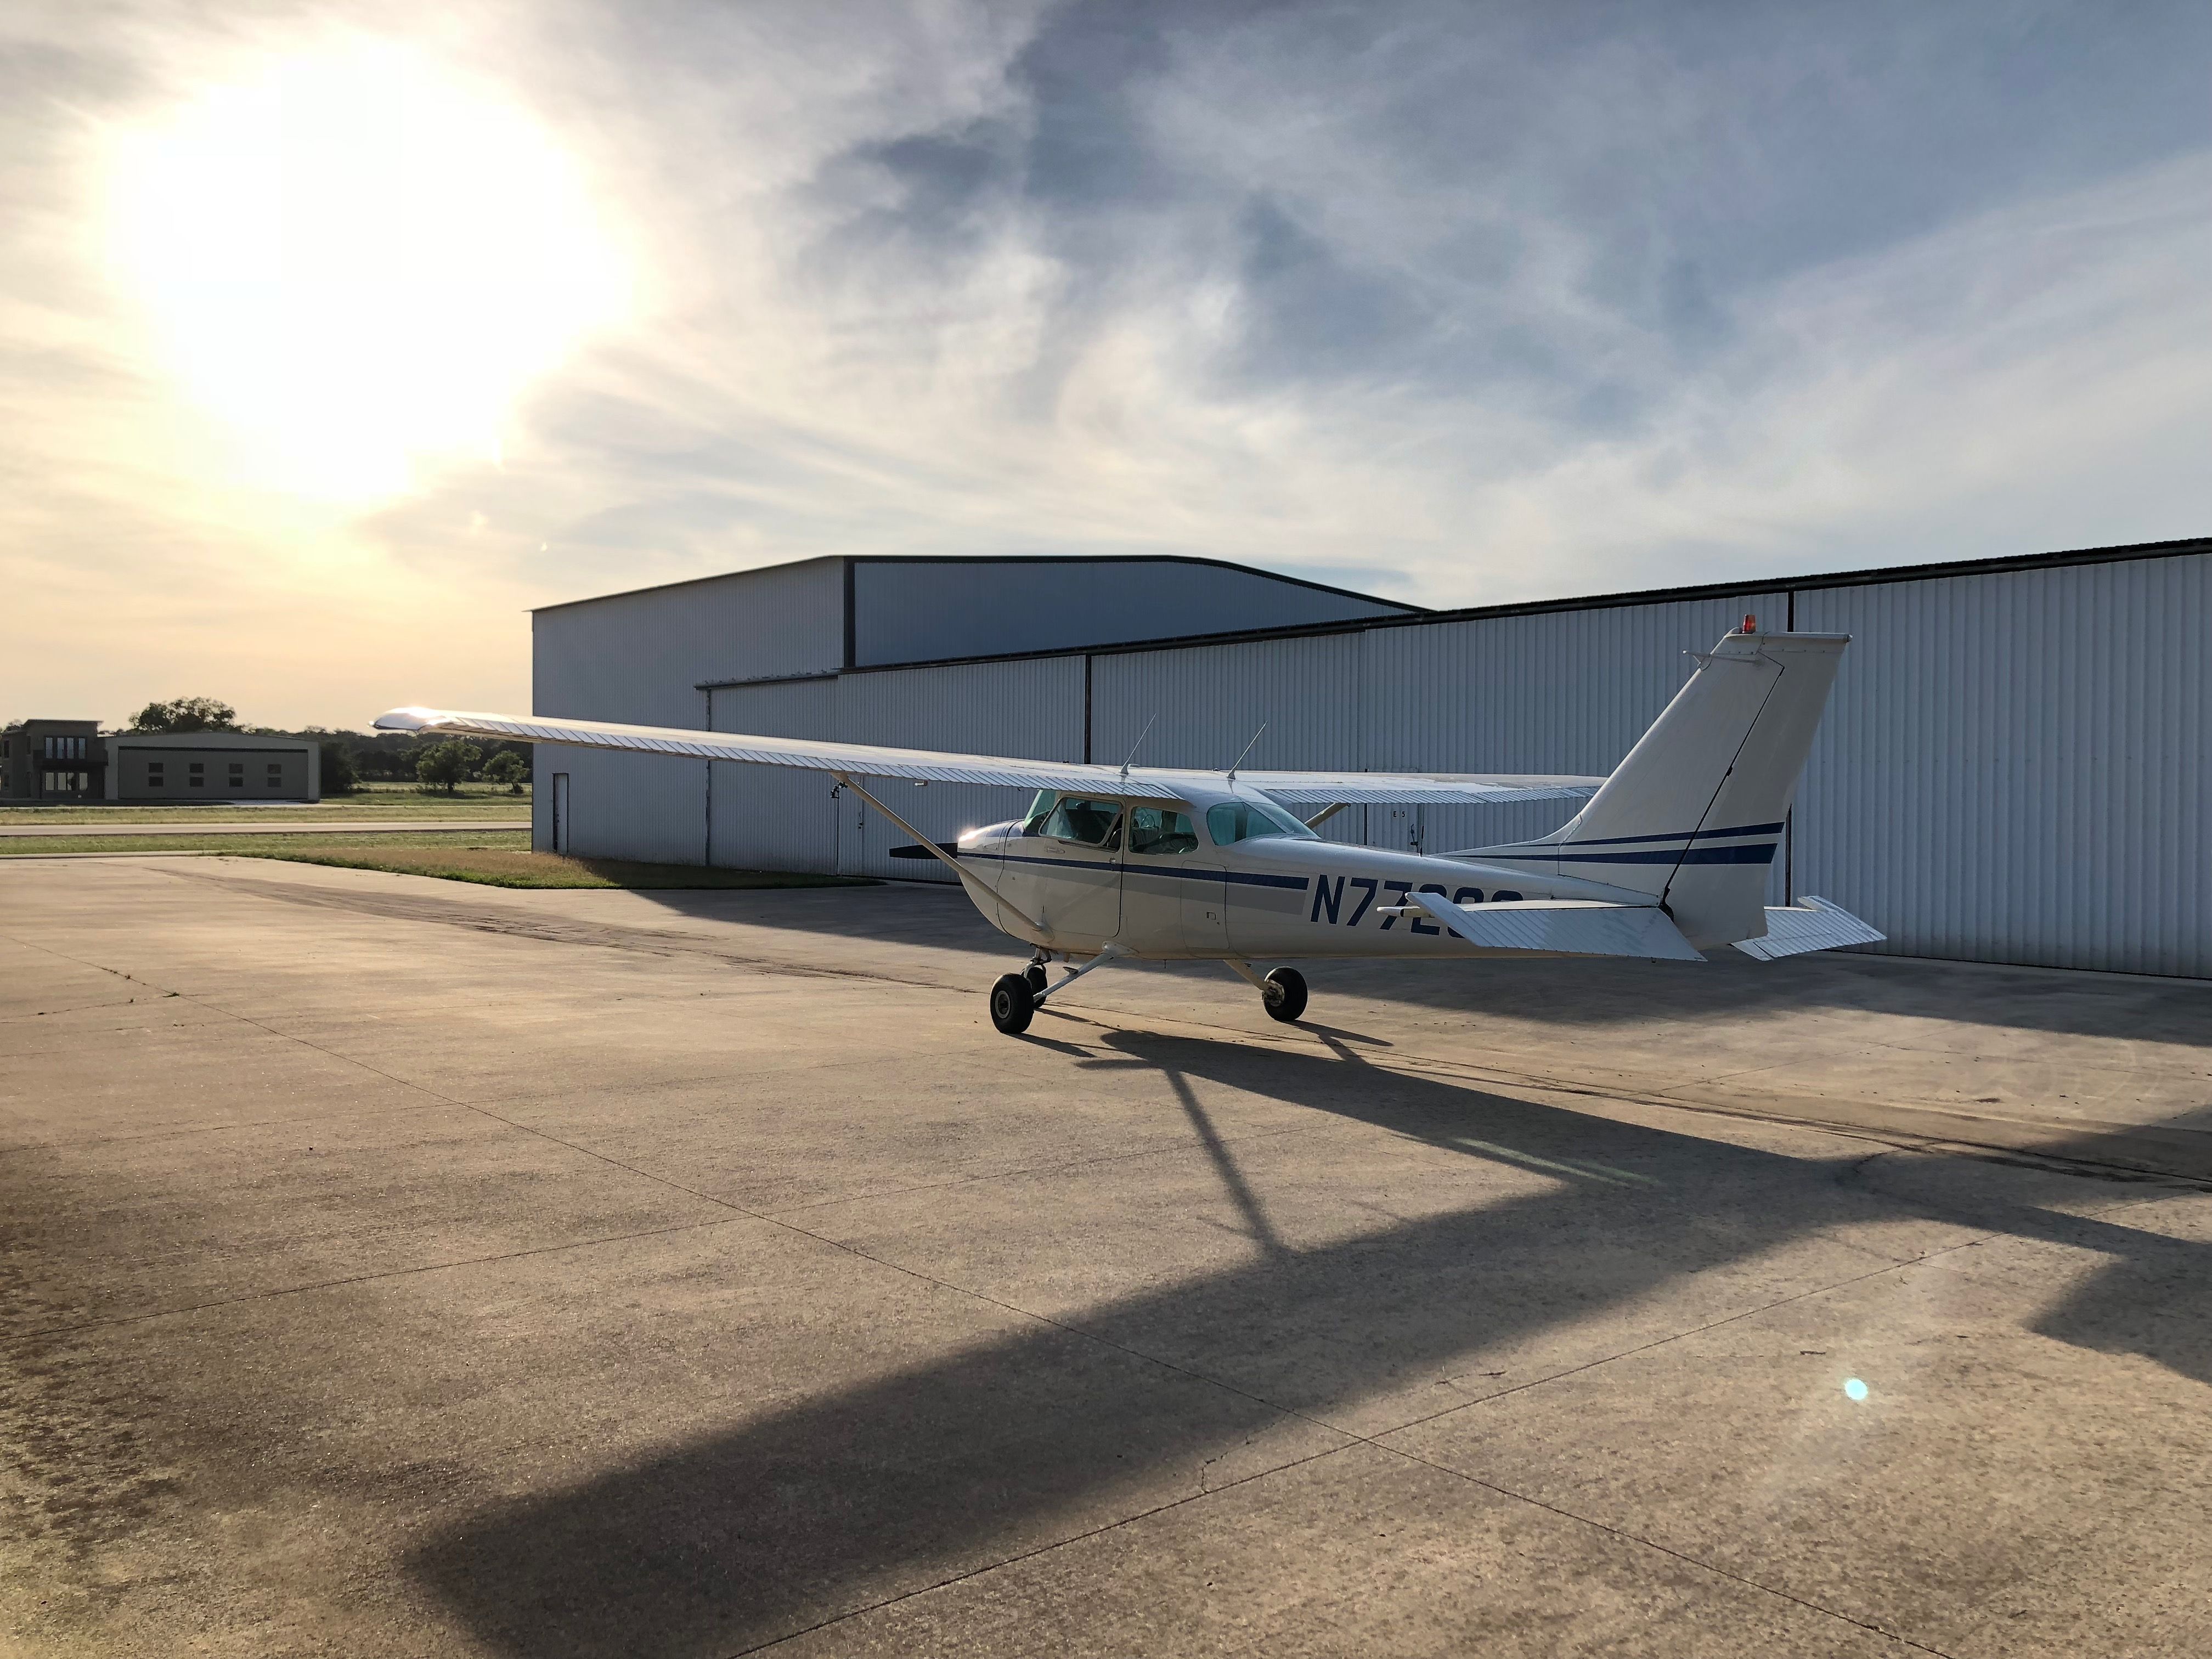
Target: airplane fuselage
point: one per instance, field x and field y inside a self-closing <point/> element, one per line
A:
<point x="1194" y="894"/>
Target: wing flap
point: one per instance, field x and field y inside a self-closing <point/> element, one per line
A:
<point x="1814" y="924"/>
<point x="1573" y="927"/>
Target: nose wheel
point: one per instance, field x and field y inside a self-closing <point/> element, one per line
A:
<point x="1014" y="1004"/>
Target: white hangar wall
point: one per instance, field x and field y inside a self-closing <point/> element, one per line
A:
<point x="2013" y="768"/>
<point x="692" y="654"/>
<point x="638" y="658"/>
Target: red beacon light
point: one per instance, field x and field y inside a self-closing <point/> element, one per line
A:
<point x="1750" y="623"/>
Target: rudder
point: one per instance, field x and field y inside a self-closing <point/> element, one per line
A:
<point x="1695" y="812"/>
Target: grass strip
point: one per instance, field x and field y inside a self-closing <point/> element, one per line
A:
<point x="501" y="859"/>
<point x="386" y="801"/>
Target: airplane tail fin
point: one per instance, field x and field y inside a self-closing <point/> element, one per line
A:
<point x="1694" y="814"/>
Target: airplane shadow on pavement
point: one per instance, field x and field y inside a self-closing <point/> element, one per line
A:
<point x="812" y="1511"/>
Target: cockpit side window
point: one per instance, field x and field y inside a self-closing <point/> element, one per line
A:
<point x="1158" y="830"/>
<point x="1248" y="820"/>
<point x="1086" y="822"/>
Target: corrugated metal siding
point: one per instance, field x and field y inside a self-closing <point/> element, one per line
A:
<point x="638" y="657"/>
<point x="1204" y="703"/>
<point x="1564" y="691"/>
<point x="2013" y="766"/>
<point x="773" y="817"/>
<point x="1031" y="709"/>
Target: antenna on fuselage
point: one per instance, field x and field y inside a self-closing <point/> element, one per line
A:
<point x="1239" y="761"/>
<point x="1140" y="743"/>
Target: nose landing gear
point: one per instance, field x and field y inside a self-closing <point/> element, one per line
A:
<point x="1016" y="997"/>
<point x="1283" y="994"/>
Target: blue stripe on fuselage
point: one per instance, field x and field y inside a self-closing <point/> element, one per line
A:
<point x="1244" y="878"/>
<point x="1680" y="834"/>
<point x="1762" y="853"/>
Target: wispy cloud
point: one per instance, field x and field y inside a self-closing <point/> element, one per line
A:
<point x="1481" y="305"/>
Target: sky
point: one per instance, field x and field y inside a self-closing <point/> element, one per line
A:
<point x="333" y="337"/>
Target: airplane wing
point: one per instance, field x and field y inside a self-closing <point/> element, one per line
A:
<point x="1416" y="788"/>
<point x="931" y="766"/>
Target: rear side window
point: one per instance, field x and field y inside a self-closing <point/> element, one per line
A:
<point x="1088" y="823"/>
<point x="1161" y="830"/>
<point x="1248" y="820"/>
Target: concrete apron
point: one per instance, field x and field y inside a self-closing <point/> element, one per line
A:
<point x="404" y="1268"/>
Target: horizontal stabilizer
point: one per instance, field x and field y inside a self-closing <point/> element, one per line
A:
<point x="1572" y="927"/>
<point x="1812" y="924"/>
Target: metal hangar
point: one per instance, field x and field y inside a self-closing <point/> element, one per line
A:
<point x="2015" y="768"/>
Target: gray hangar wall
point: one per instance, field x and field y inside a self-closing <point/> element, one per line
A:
<point x="2013" y="768"/>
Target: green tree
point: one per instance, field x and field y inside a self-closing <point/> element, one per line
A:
<point x="186" y="715"/>
<point x="447" y="763"/>
<point x="339" y="777"/>
<point x="506" y="767"/>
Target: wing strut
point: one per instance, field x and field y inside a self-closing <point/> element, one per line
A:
<point x="967" y="877"/>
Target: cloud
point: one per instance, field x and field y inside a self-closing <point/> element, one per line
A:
<point x="1486" y="305"/>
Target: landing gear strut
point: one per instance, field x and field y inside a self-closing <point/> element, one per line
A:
<point x="1282" y="993"/>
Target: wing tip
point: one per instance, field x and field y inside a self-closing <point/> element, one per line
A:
<point x="411" y="719"/>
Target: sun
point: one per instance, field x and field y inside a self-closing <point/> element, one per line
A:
<point x="355" y="261"/>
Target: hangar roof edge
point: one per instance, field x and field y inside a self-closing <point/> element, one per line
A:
<point x="999" y="558"/>
<point x="1881" y="576"/>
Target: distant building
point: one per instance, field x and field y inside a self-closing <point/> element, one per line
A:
<point x="52" y="762"/>
<point x="68" y="763"/>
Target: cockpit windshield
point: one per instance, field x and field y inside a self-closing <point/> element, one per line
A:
<point x="1249" y="820"/>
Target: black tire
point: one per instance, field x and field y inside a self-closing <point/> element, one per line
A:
<point x="1035" y="975"/>
<point x="1284" y="999"/>
<point x="1012" y="1004"/>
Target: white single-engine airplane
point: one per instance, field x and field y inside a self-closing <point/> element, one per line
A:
<point x="1669" y="858"/>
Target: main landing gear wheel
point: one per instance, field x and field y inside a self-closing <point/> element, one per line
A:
<point x="1014" y="1004"/>
<point x="1035" y="975"/>
<point x="1284" y="994"/>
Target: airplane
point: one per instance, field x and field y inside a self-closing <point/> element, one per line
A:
<point x="1667" y="858"/>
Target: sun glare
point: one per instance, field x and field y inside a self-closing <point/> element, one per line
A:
<point x="356" y="262"/>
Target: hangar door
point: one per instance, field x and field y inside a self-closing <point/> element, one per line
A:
<point x="776" y="818"/>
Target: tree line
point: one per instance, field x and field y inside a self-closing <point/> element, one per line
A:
<point x="353" y="758"/>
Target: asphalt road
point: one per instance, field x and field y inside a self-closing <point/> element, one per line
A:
<point x="398" y="1269"/>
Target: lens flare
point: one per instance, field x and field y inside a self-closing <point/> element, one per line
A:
<point x="356" y="262"/>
